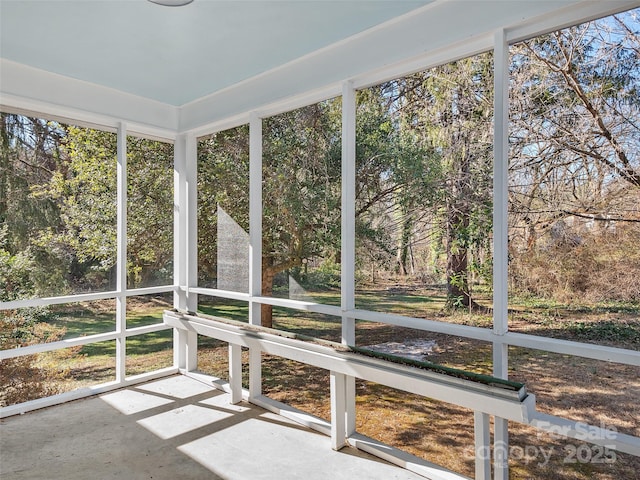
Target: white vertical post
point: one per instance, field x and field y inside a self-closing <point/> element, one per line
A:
<point x="500" y="238"/>
<point x="185" y="165"/>
<point x="255" y="247"/>
<point x="191" y="153"/>
<point x="179" y="244"/>
<point x="348" y="214"/>
<point x="179" y="218"/>
<point x="338" y="390"/>
<point x="348" y="239"/>
<point x="121" y="259"/>
<point x="235" y="373"/>
<point x="191" y="251"/>
<point x="482" y="446"/>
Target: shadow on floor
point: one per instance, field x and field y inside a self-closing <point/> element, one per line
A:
<point x="173" y="428"/>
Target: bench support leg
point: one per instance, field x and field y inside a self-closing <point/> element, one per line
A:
<point x="255" y="373"/>
<point x="235" y="372"/>
<point x="482" y="446"/>
<point x="338" y="410"/>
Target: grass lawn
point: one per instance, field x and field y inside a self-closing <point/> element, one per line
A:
<point x="91" y="364"/>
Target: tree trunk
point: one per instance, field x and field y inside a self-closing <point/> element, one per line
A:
<point x="268" y="274"/>
<point x="269" y="271"/>
<point x="458" y="294"/>
<point x="457" y="261"/>
<point x="5" y="168"/>
<point x="404" y="244"/>
<point x="458" y="218"/>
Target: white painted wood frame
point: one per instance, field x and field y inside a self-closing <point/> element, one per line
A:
<point x="500" y="239"/>
<point x="348" y="242"/>
<point x="185" y="189"/>
<point x="121" y="253"/>
<point x="255" y="247"/>
<point x="482" y="445"/>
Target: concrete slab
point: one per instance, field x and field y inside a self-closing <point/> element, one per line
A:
<point x="174" y="428"/>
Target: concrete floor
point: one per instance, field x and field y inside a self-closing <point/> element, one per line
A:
<point x="170" y="429"/>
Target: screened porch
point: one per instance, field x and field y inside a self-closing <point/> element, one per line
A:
<point x="320" y="239"/>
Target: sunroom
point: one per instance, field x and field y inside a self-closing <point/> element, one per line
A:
<point x="275" y="239"/>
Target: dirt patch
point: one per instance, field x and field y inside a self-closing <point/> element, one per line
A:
<point x="414" y="349"/>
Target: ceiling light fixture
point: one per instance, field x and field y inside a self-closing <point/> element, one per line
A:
<point x="172" y="3"/>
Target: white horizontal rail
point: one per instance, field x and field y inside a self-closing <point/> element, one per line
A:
<point x="604" y="437"/>
<point x="156" y="327"/>
<point x="82" y="297"/>
<point x="403" y="459"/>
<point x="567" y="17"/>
<point x="47" y="347"/>
<point x="568" y="347"/>
<point x="130" y="292"/>
<point x="292" y="413"/>
<point x="214" y="292"/>
<point x="276" y="302"/>
<point x="78" y="341"/>
<point x="467" y="331"/>
<point x="555" y="345"/>
<point x="300" y="305"/>
<point x="25" y="407"/>
<point x="81" y="117"/>
<point x="41" y="302"/>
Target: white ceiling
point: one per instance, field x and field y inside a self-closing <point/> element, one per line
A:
<point x="176" y="55"/>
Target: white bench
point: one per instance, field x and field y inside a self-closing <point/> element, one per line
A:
<point x="483" y="394"/>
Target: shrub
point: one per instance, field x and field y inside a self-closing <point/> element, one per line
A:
<point x="602" y="266"/>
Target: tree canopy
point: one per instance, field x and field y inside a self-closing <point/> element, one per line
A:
<point x="423" y="176"/>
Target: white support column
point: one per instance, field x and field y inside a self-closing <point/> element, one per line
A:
<point x="500" y="239"/>
<point x="191" y="251"/>
<point x="121" y="266"/>
<point x="185" y="166"/>
<point x="255" y="246"/>
<point x="179" y="223"/>
<point x="255" y="373"/>
<point x="191" y="150"/>
<point x="338" y="389"/>
<point x="348" y="239"/>
<point x="235" y="372"/>
<point x="482" y="446"/>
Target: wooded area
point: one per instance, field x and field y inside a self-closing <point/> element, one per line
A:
<point x="424" y="184"/>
